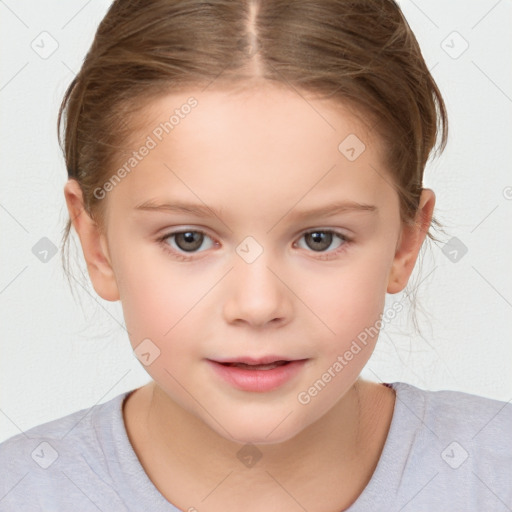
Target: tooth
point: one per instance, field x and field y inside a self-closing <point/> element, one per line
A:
<point x="268" y="366"/>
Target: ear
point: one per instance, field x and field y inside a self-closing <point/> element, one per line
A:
<point x="94" y="243"/>
<point x="410" y="242"/>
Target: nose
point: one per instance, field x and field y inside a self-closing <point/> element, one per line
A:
<point x="257" y="294"/>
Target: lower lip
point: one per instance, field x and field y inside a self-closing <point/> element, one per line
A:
<point x="258" y="380"/>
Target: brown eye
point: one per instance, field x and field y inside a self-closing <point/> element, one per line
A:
<point x="186" y="241"/>
<point x="189" y="240"/>
<point x="318" y="240"/>
<point x="321" y="239"/>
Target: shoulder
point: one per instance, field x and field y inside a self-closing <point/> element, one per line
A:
<point x="456" y="412"/>
<point x="65" y="456"/>
<point x="457" y="442"/>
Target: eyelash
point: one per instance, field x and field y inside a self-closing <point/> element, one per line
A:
<point x="321" y="255"/>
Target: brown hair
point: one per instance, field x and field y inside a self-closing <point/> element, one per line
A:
<point x="360" y="52"/>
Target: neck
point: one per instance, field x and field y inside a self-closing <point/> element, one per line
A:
<point x="342" y="447"/>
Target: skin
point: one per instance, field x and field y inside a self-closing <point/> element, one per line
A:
<point x="260" y="157"/>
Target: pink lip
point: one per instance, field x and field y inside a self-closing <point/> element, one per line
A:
<point x="253" y="360"/>
<point x="257" y="380"/>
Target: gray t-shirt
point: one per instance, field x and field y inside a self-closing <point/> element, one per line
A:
<point x="445" y="451"/>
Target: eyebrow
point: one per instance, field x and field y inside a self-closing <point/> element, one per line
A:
<point x="201" y="210"/>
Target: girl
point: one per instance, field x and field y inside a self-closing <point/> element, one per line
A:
<point x="246" y="178"/>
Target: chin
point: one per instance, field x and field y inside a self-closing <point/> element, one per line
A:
<point x="259" y="430"/>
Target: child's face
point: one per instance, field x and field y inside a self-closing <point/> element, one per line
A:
<point x="255" y="286"/>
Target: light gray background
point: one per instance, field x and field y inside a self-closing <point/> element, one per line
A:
<point x="59" y="355"/>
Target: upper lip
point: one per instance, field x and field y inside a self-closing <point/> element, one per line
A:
<point x="254" y="360"/>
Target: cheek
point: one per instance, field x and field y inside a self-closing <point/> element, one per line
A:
<point x="350" y="303"/>
<point x="356" y="291"/>
<point x="158" y="298"/>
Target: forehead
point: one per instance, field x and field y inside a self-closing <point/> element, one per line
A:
<point x="265" y="141"/>
<point x="267" y="119"/>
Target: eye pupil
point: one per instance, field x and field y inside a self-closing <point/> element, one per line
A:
<point x="320" y="237"/>
<point x="189" y="237"/>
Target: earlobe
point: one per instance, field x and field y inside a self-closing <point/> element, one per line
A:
<point x="409" y="244"/>
<point x="93" y="242"/>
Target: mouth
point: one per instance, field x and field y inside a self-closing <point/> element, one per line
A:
<point x="250" y="366"/>
<point x="257" y="374"/>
